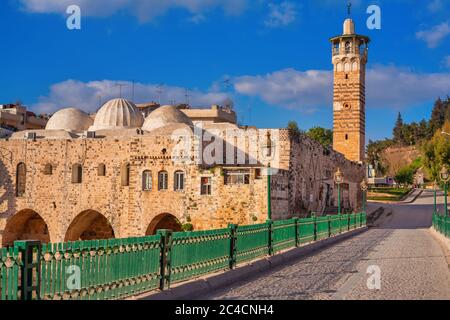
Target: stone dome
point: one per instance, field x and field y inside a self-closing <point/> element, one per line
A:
<point x="118" y="114"/>
<point x="165" y="116"/>
<point x="349" y="27"/>
<point x="69" y="119"/>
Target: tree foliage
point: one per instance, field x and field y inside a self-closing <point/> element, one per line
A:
<point x="321" y="135"/>
<point x="436" y="152"/>
<point x="406" y="174"/>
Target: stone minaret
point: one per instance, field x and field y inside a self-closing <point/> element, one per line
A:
<point x="350" y="52"/>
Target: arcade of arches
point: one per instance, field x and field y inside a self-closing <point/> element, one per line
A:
<point x="88" y="225"/>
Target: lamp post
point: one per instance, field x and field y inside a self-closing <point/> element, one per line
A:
<point x="364" y="188"/>
<point x="338" y="178"/>
<point x="269" y="193"/>
<point x="445" y="177"/>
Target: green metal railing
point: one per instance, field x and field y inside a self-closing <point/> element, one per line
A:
<point x="441" y="224"/>
<point x="197" y="253"/>
<point x="9" y="273"/>
<point x="106" y="269"/>
<point x="119" y="268"/>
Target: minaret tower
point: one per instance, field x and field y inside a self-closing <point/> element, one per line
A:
<point x="350" y="52"/>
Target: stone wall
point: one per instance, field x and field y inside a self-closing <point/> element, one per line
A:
<point x="302" y="170"/>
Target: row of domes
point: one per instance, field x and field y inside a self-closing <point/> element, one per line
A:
<point x="116" y="114"/>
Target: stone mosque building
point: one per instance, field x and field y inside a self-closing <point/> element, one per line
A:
<point x="120" y="174"/>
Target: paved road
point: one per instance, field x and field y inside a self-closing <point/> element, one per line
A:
<point x="412" y="263"/>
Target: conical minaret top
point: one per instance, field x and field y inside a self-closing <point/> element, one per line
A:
<point x="349" y="27"/>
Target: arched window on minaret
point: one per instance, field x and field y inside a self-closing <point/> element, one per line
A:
<point x="348" y="47"/>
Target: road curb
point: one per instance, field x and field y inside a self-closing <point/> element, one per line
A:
<point x="198" y="287"/>
<point x="443" y="241"/>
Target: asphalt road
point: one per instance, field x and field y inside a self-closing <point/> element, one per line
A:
<point x="399" y="251"/>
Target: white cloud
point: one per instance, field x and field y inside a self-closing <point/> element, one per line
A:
<point x="289" y="88"/>
<point x="386" y="86"/>
<point x="86" y="95"/>
<point x="435" y="35"/>
<point x="282" y="14"/>
<point x="144" y="10"/>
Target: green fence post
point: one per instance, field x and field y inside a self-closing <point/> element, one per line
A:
<point x="270" y="229"/>
<point x="315" y="225"/>
<point x="329" y="226"/>
<point x="165" y="264"/>
<point x="27" y="287"/>
<point x="233" y="242"/>
<point x="296" y="221"/>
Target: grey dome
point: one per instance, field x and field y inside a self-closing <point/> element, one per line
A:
<point x="118" y="114"/>
<point x="69" y="119"/>
<point x="165" y="116"/>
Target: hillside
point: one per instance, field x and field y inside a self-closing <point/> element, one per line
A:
<point x="395" y="158"/>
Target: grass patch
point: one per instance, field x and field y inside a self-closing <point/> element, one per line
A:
<point x="387" y="194"/>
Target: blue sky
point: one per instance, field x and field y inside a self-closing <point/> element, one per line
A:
<point x="275" y="54"/>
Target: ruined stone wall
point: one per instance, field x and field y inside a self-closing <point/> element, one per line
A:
<point x="307" y="185"/>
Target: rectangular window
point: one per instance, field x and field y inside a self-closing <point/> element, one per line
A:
<point x="147" y="181"/>
<point x="233" y="177"/>
<point x="163" y="180"/>
<point x="179" y="181"/>
<point x="205" y="186"/>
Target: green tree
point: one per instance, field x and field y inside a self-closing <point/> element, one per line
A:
<point x="405" y="175"/>
<point x="436" y="152"/>
<point x="438" y="115"/>
<point x="293" y="128"/>
<point x="321" y="135"/>
<point x="399" y="131"/>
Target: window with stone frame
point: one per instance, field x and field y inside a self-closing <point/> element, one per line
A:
<point x="77" y="173"/>
<point x="147" y="182"/>
<point x="236" y="177"/>
<point x="125" y="174"/>
<point x="205" y="186"/>
<point x="21" y="176"/>
<point x="163" y="180"/>
<point x="179" y="181"/>
<point x="101" y="170"/>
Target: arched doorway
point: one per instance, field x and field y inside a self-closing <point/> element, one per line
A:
<point x="25" y="225"/>
<point x="163" y="221"/>
<point x="89" y="225"/>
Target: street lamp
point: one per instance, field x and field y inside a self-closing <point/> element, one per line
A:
<point x="364" y="188"/>
<point x="445" y="177"/>
<point x="338" y="178"/>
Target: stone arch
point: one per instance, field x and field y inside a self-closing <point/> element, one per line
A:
<point x="163" y="221"/>
<point x="26" y="224"/>
<point x="89" y="225"/>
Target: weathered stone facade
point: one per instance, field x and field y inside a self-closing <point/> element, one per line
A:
<point x="56" y="207"/>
